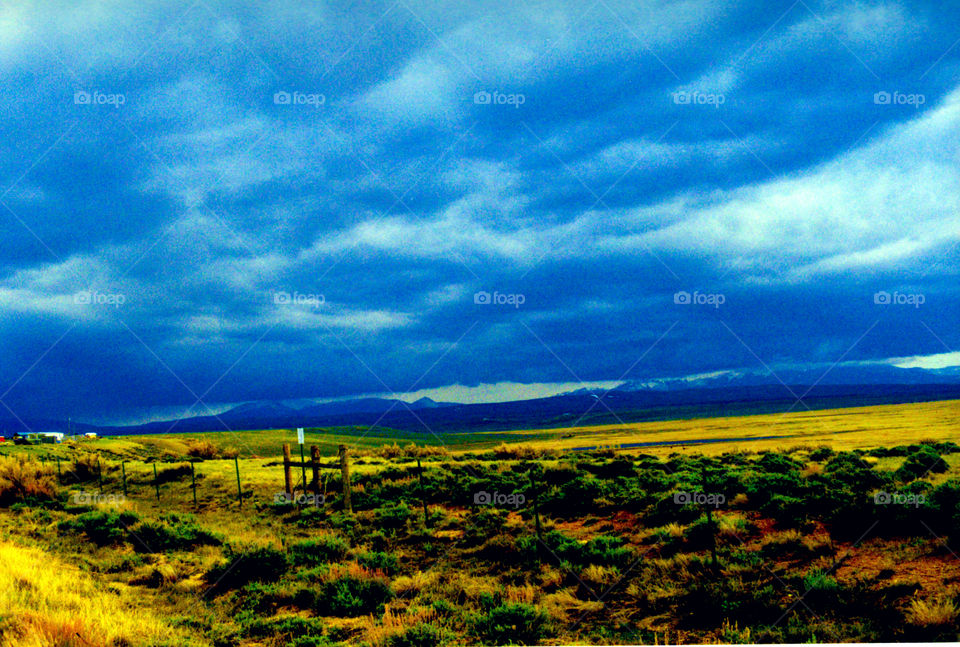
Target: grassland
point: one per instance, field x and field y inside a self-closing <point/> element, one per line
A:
<point x="582" y="547"/>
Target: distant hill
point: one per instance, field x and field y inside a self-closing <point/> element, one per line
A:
<point x="582" y="408"/>
<point x="725" y="393"/>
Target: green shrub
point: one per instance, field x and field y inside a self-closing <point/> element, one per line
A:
<point x="421" y="635"/>
<point x="173" y="532"/>
<point x="286" y="628"/>
<point x="393" y="516"/>
<point x="348" y="595"/>
<point x="379" y="561"/>
<point x="102" y="527"/>
<point x="920" y="463"/>
<point x="821" y="454"/>
<point x="247" y="564"/>
<point x="778" y="463"/>
<point x="607" y="551"/>
<point x="512" y="624"/>
<point x="312" y="552"/>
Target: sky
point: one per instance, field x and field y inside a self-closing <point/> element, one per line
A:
<point x="215" y="202"/>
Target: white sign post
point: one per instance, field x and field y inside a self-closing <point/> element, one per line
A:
<point x="303" y="464"/>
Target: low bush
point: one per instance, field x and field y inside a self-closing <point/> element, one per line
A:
<point x="924" y="461"/>
<point x="424" y="634"/>
<point x="347" y="592"/>
<point x="172" y="532"/>
<point x="247" y="564"/>
<point x="102" y="527"/>
<point x="201" y="449"/>
<point x="25" y="481"/>
<point x="328" y="548"/>
<point x="174" y="474"/>
<point x="519" y="623"/>
<point x="379" y="561"/>
<point x="393" y="516"/>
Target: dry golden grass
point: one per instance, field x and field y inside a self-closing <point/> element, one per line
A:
<point x="22" y="478"/>
<point x="394" y="623"/>
<point x="932" y="613"/>
<point x="563" y="604"/>
<point x="419" y="581"/>
<point x="732" y="525"/>
<point x="50" y="603"/>
<point x="600" y="576"/>
<point x="839" y="429"/>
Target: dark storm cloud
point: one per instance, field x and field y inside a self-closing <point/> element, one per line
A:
<point x="233" y="201"/>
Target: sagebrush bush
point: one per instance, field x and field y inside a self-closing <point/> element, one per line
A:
<point x="201" y="449"/>
<point x="102" y="527"/>
<point x="379" y="561"/>
<point x="247" y="564"/>
<point x="347" y="592"/>
<point x="924" y="461"/>
<point x="172" y="532"/>
<point x="518" y="624"/>
<point x="24" y="480"/>
<point x="424" y="634"/>
<point x="328" y="548"/>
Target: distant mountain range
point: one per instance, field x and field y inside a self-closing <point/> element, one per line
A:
<point x="719" y="394"/>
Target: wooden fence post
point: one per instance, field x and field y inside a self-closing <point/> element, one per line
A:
<point x="710" y="527"/>
<point x="303" y="469"/>
<point x="536" y="515"/>
<point x="99" y="476"/>
<point x="315" y="466"/>
<point x="193" y="483"/>
<point x="236" y="464"/>
<point x="123" y="471"/>
<point x="345" y="476"/>
<point x="59" y="473"/>
<point x="287" y="477"/>
<point x="156" y="482"/>
<point x="423" y="495"/>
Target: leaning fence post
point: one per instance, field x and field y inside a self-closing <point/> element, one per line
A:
<point x="423" y="495"/>
<point x="156" y="482"/>
<point x="315" y="466"/>
<point x="99" y="476"/>
<point x="59" y="473"/>
<point x="287" y="477"/>
<point x="236" y="464"/>
<point x="193" y="483"/>
<point x="123" y="471"/>
<point x="345" y="476"/>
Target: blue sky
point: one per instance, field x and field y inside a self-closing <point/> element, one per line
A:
<point x="213" y="202"/>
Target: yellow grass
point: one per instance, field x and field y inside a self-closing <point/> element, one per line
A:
<point x="47" y="602"/>
<point x="927" y="613"/>
<point x="840" y="429"/>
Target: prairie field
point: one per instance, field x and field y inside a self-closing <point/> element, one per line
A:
<point x="837" y="525"/>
